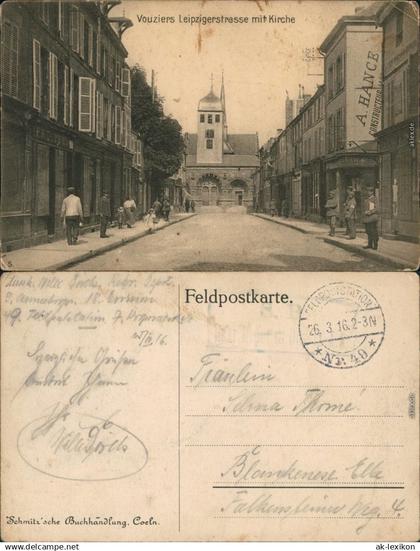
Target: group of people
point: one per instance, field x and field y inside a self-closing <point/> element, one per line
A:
<point x="189" y="205"/>
<point x="72" y="215"/>
<point x="370" y="215"/>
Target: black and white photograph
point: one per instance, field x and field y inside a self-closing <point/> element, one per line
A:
<point x="209" y="136"/>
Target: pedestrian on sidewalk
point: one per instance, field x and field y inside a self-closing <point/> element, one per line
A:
<point x="105" y="213"/>
<point x="350" y="214"/>
<point x="72" y="215"/>
<point x="120" y="217"/>
<point x="192" y="205"/>
<point x="149" y="219"/>
<point x="166" y="209"/>
<point x="187" y="205"/>
<point x="157" y="208"/>
<point x="129" y="210"/>
<point x="371" y="220"/>
<point x="285" y="208"/>
<point x="332" y="211"/>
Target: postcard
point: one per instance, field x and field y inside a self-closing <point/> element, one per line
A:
<point x="163" y="406"/>
<point x="218" y="135"/>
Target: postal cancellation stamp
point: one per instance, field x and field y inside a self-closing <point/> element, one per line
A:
<point x="341" y="325"/>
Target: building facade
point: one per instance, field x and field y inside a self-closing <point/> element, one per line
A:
<point x="398" y="139"/>
<point x="66" y="116"/>
<point x="353" y="102"/>
<point x="219" y="166"/>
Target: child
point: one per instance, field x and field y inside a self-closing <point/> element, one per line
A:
<point x="150" y="219"/>
<point x="120" y="217"/>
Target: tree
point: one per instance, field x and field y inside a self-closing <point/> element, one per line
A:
<point x="161" y="134"/>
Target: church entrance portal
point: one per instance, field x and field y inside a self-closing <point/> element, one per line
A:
<point x="210" y="187"/>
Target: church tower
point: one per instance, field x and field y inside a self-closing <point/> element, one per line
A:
<point x="210" y="128"/>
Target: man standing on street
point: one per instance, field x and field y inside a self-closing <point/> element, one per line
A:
<point x="72" y="214"/>
<point x="105" y="213"/>
<point x="371" y="220"/>
<point x="332" y="211"/>
<point x="350" y="214"/>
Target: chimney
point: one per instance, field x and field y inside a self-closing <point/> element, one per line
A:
<point x="299" y="92"/>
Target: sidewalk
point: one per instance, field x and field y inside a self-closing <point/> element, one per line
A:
<point x="399" y="254"/>
<point x="59" y="255"/>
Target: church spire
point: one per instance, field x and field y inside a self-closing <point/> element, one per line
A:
<point x="222" y="94"/>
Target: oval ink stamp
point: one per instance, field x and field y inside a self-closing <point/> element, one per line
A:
<point x="341" y="325"/>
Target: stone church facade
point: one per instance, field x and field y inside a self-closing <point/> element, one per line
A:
<point x="219" y="166"/>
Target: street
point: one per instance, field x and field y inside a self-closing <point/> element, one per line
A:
<point x="229" y="242"/>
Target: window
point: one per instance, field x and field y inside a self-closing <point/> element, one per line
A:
<point x="118" y="76"/>
<point x="202" y="118"/>
<point x="330" y="82"/>
<point x="210" y="120"/>
<point x="61" y="19"/>
<point x="89" y="53"/>
<point x="66" y="96"/>
<point x="99" y="115"/>
<point x="98" y="49"/>
<point x="82" y="36"/>
<point x="123" y="128"/>
<point x="397" y="98"/>
<point x="217" y="118"/>
<point x="43" y="12"/>
<point x="71" y="97"/>
<point x="125" y="83"/>
<point x="53" y="86"/>
<point x="399" y="28"/>
<point x="10" y="60"/>
<point x="87" y="95"/>
<point x="117" y="124"/>
<point x="209" y="133"/>
<point x="209" y="144"/>
<point x="110" y="127"/>
<point x="338" y="74"/>
<point x="36" y="74"/>
<point x="74" y="28"/>
<point x="339" y="130"/>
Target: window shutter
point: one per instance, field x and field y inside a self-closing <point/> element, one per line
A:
<point x="109" y="134"/>
<point x="9" y="59"/>
<point x="90" y="46"/>
<point x="138" y="153"/>
<point x="36" y="71"/>
<point x="98" y="49"/>
<point x="82" y="36"/>
<point x="93" y="104"/>
<point x="71" y="119"/>
<point x="123" y="128"/>
<point x="60" y="19"/>
<point x="117" y="124"/>
<point x="66" y="96"/>
<point x="99" y="115"/>
<point x="125" y="87"/>
<point x="74" y="31"/>
<point x="85" y="104"/>
<point x="118" y="76"/>
<point x="53" y="88"/>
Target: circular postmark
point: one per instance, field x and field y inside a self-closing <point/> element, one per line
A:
<point x="341" y="325"/>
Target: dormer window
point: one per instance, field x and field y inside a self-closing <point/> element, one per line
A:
<point x="217" y="118"/>
<point x="202" y="118"/>
<point x="210" y="120"/>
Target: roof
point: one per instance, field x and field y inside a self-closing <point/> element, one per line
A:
<point x="362" y="18"/>
<point x="210" y="103"/>
<point x="242" y="144"/>
<point x="228" y="161"/>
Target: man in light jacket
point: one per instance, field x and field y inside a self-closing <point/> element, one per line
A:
<point x="105" y="213"/>
<point x="72" y="215"/>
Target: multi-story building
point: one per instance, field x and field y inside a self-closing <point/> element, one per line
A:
<point x="66" y="115"/>
<point x="293" y="106"/>
<point x="352" y="64"/>
<point x="398" y="139"/>
<point x="313" y="169"/>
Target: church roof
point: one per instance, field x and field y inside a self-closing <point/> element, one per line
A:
<point x="244" y="146"/>
<point x="210" y="103"/>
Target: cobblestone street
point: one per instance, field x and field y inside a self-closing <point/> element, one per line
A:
<point x="227" y="242"/>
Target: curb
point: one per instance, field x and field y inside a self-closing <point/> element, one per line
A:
<point x="106" y="248"/>
<point x="374" y="255"/>
<point x="302" y="230"/>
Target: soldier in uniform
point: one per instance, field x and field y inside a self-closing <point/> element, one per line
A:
<point x="371" y="219"/>
<point x="350" y="214"/>
<point x="332" y="211"/>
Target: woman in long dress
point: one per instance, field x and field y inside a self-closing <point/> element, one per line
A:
<point x="129" y="210"/>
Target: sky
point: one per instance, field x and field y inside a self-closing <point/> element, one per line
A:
<point x="260" y="61"/>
